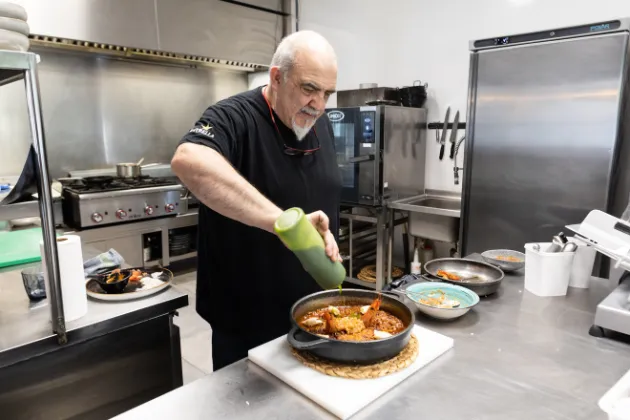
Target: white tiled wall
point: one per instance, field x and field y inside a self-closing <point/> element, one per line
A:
<point x="395" y="42"/>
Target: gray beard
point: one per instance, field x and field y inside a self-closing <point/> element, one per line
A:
<point x="301" y="132"/>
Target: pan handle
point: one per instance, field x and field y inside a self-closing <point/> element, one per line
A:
<point x="431" y="278"/>
<point x="394" y="293"/>
<point x="303" y="345"/>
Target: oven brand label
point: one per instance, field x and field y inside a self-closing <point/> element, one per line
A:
<point x="602" y="27"/>
<point x="335" y="116"/>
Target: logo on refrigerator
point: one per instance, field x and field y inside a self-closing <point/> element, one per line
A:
<point x="602" y="27"/>
<point x="335" y="116"/>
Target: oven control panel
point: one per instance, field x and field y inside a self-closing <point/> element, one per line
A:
<point x="368" y="121"/>
<point x="105" y="211"/>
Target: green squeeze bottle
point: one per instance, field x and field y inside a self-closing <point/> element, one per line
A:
<point x="301" y="237"/>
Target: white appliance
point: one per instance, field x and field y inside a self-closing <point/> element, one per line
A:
<point x="611" y="237"/>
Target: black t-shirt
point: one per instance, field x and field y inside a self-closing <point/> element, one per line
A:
<point x="247" y="279"/>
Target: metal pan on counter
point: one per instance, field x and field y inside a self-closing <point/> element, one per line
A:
<point x="359" y="352"/>
<point x="480" y="277"/>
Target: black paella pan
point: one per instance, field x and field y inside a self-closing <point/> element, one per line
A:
<point x="359" y="352"/>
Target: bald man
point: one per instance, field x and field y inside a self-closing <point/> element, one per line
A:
<point x="247" y="159"/>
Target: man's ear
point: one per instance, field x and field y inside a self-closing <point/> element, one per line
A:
<point x="275" y="77"/>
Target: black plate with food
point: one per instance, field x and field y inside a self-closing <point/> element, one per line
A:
<point x="137" y="282"/>
<point x="351" y="326"/>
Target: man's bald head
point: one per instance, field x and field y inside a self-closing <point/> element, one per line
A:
<point x="300" y="44"/>
<point x="302" y="76"/>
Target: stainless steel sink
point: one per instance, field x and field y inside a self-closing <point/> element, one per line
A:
<point x="432" y="216"/>
<point x="442" y="205"/>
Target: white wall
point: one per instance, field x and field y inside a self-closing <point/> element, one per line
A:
<point x="256" y="79"/>
<point x="395" y="42"/>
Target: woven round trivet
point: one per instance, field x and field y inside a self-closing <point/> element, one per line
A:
<point x="368" y="273"/>
<point x="366" y="277"/>
<point x="404" y="359"/>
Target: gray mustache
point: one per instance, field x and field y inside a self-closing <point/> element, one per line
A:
<point x="310" y="111"/>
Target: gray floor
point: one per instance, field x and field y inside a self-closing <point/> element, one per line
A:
<point x="195" y="333"/>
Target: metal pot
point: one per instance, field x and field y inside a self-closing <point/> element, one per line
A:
<point x="414" y="96"/>
<point x="360" y="352"/>
<point x="128" y="170"/>
<point x="487" y="279"/>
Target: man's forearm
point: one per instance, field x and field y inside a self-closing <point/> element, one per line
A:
<point x="219" y="186"/>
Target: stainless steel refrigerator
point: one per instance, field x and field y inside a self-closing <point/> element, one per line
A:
<point x="546" y="136"/>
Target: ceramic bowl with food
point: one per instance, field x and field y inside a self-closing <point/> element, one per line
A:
<point x="506" y="259"/>
<point x="442" y="300"/>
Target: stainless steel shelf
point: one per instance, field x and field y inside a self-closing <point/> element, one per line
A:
<point x="172" y="259"/>
<point x="9" y="76"/>
<point x="12" y="66"/>
<point x="358" y="234"/>
<point x="28" y="209"/>
<point x="183" y="257"/>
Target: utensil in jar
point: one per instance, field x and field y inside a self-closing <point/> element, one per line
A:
<point x="140" y="161"/>
<point x="454" y="134"/>
<point x="569" y="247"/>
<point x="557" y="242"/>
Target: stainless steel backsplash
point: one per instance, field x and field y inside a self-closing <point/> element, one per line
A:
<point x="99" y="111"/>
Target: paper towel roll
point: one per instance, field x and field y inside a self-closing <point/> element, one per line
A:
<point x="71" y="275"/>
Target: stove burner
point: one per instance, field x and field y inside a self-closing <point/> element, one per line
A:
<point x="95" y="184"/>
<point x="97" y="180"/>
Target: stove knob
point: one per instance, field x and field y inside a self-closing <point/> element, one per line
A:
<point x="169" y="208"/>
<point x="97" y="217"/>
<point x="148" y="210"/>
<point x="121" y="214"/>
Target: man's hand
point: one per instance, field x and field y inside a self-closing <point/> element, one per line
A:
<point x="321" y="223"/>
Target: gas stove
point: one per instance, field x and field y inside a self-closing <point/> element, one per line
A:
<point x="105" y="200"/>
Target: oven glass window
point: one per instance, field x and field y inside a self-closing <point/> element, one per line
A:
<point x="345" y="143"/>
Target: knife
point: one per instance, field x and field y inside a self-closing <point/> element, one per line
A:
<point x="454" y="134"/>
<point x="444" y="130"/>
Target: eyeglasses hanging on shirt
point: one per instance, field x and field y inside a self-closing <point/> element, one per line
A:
<point x="291" y="151"/>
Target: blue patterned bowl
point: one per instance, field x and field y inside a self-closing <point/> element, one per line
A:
<point x="467" y="299"/>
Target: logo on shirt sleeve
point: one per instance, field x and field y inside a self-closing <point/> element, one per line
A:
<point x="205" y="130"/>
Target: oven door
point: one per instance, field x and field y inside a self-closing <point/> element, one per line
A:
<point x="358" y="154"/>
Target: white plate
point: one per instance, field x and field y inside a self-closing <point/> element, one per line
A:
<point x="129" y="295"/>
<point x="12" y="10"/>
<point x="13" y="41"/>
<point x="14" y="25"/>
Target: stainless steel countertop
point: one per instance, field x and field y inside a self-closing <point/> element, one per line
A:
<point x="517" y="356"/>
<point x="25" y="328"/>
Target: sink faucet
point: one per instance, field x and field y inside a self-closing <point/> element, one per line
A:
<point x="456" y="169"/>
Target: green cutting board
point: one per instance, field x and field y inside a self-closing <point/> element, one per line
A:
<point x="20" y="246"/>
